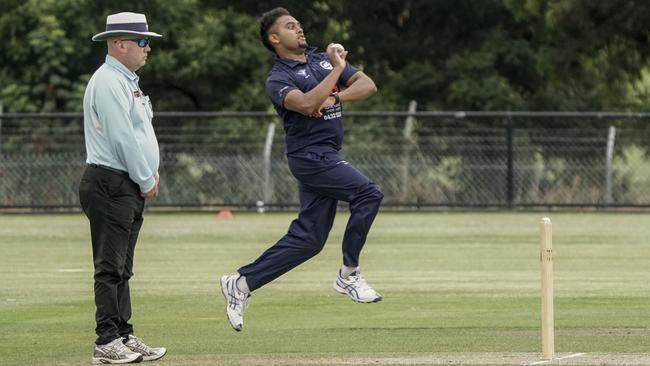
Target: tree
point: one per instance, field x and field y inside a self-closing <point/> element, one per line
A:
<point x="446" y="54"/>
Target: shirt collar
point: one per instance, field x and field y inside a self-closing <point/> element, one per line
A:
<point x="117" y="65"/>
<point x="293" y="63"/>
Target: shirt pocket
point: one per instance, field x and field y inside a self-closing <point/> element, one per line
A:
<point x="141" y="111"/>
<point x="147" y="105"/>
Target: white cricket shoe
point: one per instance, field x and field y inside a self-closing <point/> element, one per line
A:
<point x="135" y="344"/>
<point x="115" y="352"/>
<point x="236" y="301"/>
<point x="356" y="287"/>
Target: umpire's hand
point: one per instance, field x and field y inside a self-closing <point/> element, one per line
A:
<point x="154" y="191"/>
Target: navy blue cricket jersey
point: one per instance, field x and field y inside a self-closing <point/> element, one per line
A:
<point x="303" y="131"/>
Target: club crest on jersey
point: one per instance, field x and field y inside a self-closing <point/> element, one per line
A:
<point x="326" y="65"/>
<point x="136" y="93"/>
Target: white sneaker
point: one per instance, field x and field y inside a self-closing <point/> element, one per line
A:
<point x="135" y="344"/>
<point x="115" y="352"/>
<point x="356" y="287"/>
<point x="236" y="301"/>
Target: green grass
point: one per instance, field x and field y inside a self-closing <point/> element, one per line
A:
<point x="452" y="283"/>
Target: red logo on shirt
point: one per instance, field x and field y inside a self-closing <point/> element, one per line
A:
<point x="136" y="94"/>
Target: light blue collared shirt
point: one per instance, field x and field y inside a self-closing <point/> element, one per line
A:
<point x="117" y="124"/>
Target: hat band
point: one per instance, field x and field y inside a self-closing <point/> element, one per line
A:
<point x="134" y="27"/>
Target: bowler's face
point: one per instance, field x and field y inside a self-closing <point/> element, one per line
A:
<point x="290" y="33"/>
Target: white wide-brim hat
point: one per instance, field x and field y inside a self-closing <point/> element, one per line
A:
<point x="125" y="24"/>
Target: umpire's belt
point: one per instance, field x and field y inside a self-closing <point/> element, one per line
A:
<point x="104" y="167"/>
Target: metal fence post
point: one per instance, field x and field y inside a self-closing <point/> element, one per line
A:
<point x="609" y="157"/>
<point x="510" y="164"/>
<point x="266" y="189"/>
<point x="408" y="148"/>
<point x="1" y="111"/>
<point x="2" y="193"/>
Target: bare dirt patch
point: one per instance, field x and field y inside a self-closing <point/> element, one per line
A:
<point x="582" y="332"/>
<point x="470" y="358"/>
<point x="530" y="359"/>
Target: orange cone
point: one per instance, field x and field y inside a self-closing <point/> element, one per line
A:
<point x="225" y="215"/>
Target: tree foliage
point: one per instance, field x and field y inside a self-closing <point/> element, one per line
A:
<point x="446" y="54"/>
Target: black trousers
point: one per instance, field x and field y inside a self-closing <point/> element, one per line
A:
<point x="324" y="178"/>
<point x="113" y="205"/>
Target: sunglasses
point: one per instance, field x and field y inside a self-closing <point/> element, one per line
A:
<point x="142" y="42"/>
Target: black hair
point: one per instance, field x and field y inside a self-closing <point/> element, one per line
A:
<point x="266" y="22"/>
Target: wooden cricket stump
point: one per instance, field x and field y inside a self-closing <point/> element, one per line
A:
<point x="546" y="259"/>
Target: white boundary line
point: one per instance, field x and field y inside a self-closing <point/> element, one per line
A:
<point x="573" y="355"/>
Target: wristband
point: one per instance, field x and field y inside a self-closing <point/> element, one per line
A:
<point x="337" y="99"/>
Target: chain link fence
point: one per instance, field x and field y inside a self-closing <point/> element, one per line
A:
<point x="420" y="159"/>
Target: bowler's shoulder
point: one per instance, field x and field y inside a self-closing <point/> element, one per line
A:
<point x="319" y="56"/>
<point x="279" y="71"/>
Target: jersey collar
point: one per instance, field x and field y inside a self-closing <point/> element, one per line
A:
<point x="293" y="63"/>
<point x="116" y="64"/>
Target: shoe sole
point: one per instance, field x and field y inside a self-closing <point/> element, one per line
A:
<point x="102" y="360"/>
<point x="342" y="291"/>
<point x="153" y="358"/>
<point x="224" y="292"/>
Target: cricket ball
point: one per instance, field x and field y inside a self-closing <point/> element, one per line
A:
<point x="339" y="46"/>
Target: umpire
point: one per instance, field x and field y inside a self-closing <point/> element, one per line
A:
<point x="123" y="159"/>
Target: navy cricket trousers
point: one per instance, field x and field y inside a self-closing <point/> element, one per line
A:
<point x="324" y="178"/>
